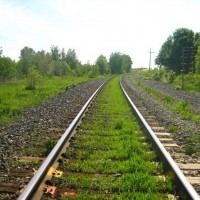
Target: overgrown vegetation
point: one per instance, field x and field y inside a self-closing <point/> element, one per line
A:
<point x="50" y="145"/>
<point x="14" y="97"/>
<point x="40" y="75"/>
<point x="181" y="106"/>
<point x="191" y="81"/>
<point x="107" y="158"/>
<point x="189" y="149"/>
<point x="179" y="61"/>
<point x="180" y="52"/>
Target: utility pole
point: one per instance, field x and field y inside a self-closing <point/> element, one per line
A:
<point x="150" y="52"/>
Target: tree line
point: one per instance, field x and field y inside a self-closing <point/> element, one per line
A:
<point x="181" y="52"/>
<point x="58" y="62"/>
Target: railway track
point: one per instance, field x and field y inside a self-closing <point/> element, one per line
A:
<point x="189" y="165"/>
<point x="89" y="163"/>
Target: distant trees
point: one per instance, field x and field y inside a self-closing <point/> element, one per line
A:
<point x="33" y="64"/>
<point x="7" y="68"/>
<point x="55" y="53"/>
<point x="178" y="50"/>
<point x="103" y="65"/>
<point x="27" y="59"/>
<point x="43" y="63"/>
<point x="65" y="64"/>
<point x="120" y="63"/>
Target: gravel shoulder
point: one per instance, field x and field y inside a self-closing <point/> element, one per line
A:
<point x="55" y="113"/>
<point x="188" y="133"/>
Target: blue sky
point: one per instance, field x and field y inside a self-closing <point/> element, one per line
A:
<point x="94" y="27"/>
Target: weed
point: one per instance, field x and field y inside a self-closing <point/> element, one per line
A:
<point x="118" y="125"/>
<point x="50" y="144"/>
<point x="167" y="99"/>
<point x="173" y="129"/>
<point x="189" y="149"/>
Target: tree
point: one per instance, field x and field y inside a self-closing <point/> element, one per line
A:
<point x="63" y="55"/>
<point x="197" y="49"/>
<point x="196" y="40"/>
<point x="43" y="62"/>
<point x="7" y="68"/>
<point x="73" y="62"/>
<point x="27" y="60"/>
<point x="115" y="63"/>
<point x="120" y="63"/>
<point x="102" y="64"/>
<point x="165" y="54"/>
<point x="61" y="68"/>
<point x="174" y="49"/>
<point x="197" y="59"/>
<point x="55" y="53"/>
<point x="32" y="77"/>
<point x="1" y="51"/>
<point x="126" y="62"/>
<point x="71" y="58"/>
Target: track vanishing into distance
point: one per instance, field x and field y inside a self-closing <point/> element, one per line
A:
<point x="110" y="151"/>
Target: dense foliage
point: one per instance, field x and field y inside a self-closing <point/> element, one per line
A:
<point x="120" y="63"/>
<point x="7" y="68"/>
<point x="178" y="52"/>
<point x="57" y="62"/>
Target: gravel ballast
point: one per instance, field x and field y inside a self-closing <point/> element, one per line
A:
<point x="57" y="112"/>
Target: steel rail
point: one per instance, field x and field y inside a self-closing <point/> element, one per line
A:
<point x="43" y="169"/>
<point x="186" y="190"/>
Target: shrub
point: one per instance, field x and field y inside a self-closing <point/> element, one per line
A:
<point x="32" y="77"/>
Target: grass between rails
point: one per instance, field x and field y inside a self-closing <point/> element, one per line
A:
<point x="14" y="97"/>
<point x="108" y="158"/>
<point x="182" y="106"/>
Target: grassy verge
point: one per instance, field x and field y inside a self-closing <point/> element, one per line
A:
<point x="108" y="158"/>
<point x="182" y="107"/>
<point x="14" y="97"/>
<point x="191" y="81"/>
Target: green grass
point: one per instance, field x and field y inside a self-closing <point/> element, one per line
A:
<point x="182" y="107"/>
<point x="14" y="98"/>
<point x="191" y="81"/>
<point x="173" y="129"/>
<point x="108" y="158"/>
<point x="82" y="195"/>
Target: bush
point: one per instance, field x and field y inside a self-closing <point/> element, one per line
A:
<point x="32" y="77"/>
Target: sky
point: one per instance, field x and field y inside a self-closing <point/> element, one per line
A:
<point x="95" y="27"/>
